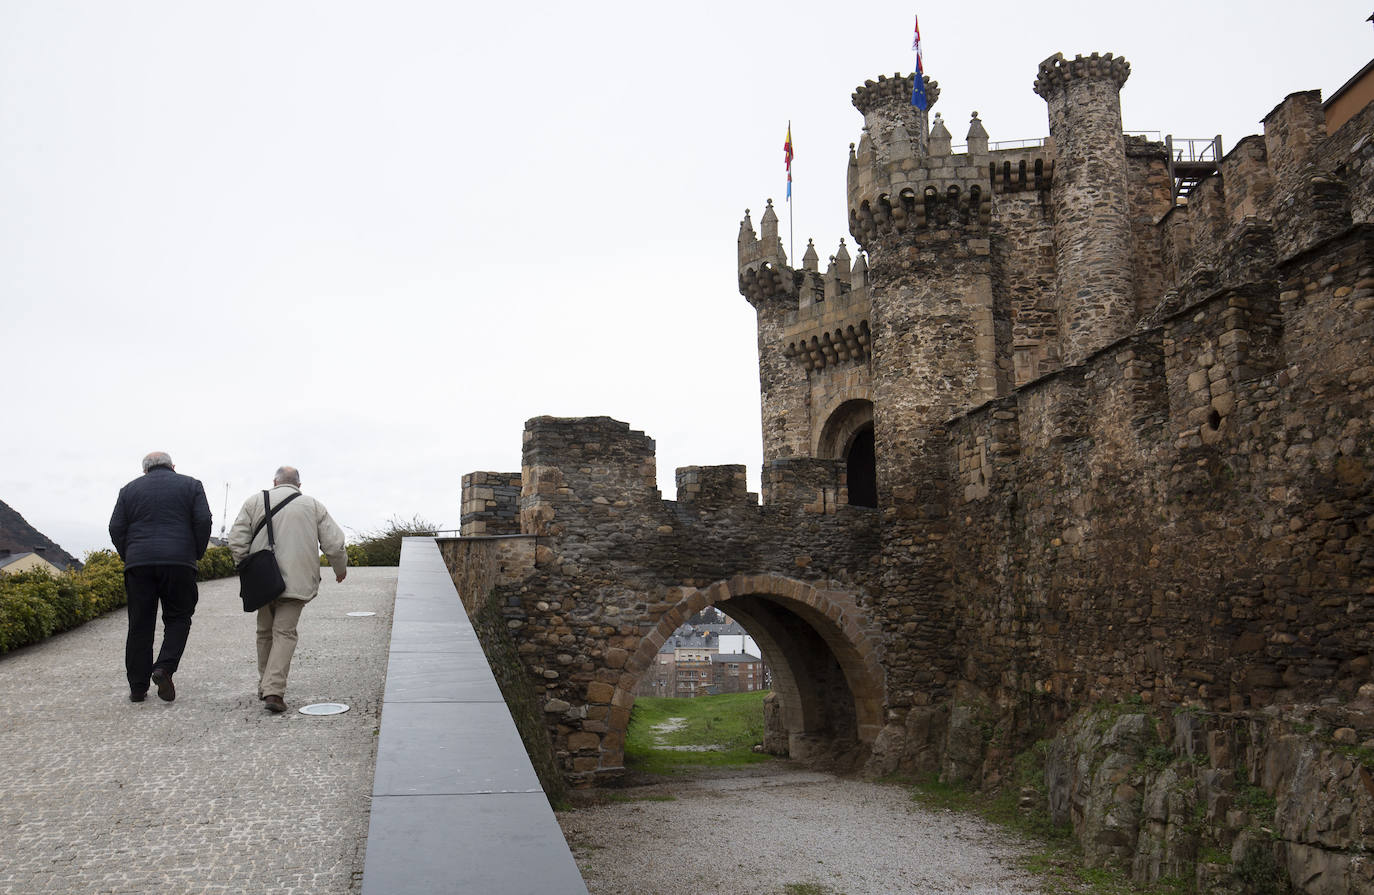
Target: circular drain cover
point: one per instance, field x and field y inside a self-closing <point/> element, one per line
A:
<point x="324" y="708"/>
<point x="361" y="614"/>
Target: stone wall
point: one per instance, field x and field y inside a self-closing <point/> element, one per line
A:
<point x="1350" y="153"/>
<point x="478" y="566"/>
<point x="615" y="569"/>
<point x="491" y="503"/>
<point x="1181" y="519"/>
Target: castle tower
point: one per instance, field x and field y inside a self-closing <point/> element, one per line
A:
<point x="923" y="222"/>
<point x="1092" y="235"/>
<point x="895" y="127"/>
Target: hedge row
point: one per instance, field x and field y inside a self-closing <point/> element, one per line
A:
<point x="357" y="556"/>
<point x="217" y="562"/>
<point x="36" y="604"/>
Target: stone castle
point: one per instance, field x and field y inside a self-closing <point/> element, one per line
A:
<point x="1071" y="427"/>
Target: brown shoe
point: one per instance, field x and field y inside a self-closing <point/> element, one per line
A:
<point x="274" y="704"/>
<point x="166" y="691"/>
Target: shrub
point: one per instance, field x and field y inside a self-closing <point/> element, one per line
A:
<point x="27" y="608"/>
<point x="36" y="604"/>
<point x="101" y="583"/>
<point x="383" y="547"/>
<point x="357" y="556"/>
<point x="217" y="562"/>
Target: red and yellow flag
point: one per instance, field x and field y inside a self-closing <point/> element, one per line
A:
<point x="787" y="159"/>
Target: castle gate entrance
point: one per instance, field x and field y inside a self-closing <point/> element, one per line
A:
<point x="827" y="684"/>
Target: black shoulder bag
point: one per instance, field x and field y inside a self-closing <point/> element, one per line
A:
<point x="260" y="580"/>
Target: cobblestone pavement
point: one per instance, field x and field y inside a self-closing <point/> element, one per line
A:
<point x="209" y="793"/>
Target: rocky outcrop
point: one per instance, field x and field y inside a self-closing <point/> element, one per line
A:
<point x="1275" y="801"/>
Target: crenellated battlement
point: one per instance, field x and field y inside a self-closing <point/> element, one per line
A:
<point x="894" y="91"/>
<point x="1271" y="199"/>
<point x="1056" y="73"/>
<point x="896" y="166"/>
<point x="954" y="209"/>
<point x="767" y="283"/>
<point x="1018" y="175"/>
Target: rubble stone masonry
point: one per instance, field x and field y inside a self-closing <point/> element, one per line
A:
<point x="1121" y="441"/>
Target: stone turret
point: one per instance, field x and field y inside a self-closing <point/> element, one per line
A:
<point x="893" y="125"/>
<point x="940" y="138"/>
<point x="977" y="137"/>
<point x="1092" y="227"/>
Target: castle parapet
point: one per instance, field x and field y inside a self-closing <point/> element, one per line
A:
<point x="931" y="209"/>
<point x="757" y="251"/>
<point x="710" y="487"/>
<point x="577" y="472"/>
<point x="491" y="504"/>
<point x="1311" y="205"/>
<point x="811" y="486"/>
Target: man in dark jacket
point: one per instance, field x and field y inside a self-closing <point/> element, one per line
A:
<point x="160" y="526"/>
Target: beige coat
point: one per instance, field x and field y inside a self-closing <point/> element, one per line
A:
<point x="303" y="528"/>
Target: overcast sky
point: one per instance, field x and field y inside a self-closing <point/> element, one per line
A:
<point x="372" y="239"/>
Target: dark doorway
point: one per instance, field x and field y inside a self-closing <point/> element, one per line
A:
<point x="863" y="473"/>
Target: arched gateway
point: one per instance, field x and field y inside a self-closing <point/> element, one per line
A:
<point x="826" y="678"/>
<point x="601" y="570"/>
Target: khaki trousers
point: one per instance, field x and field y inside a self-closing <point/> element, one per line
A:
<point x="276" y="644"/>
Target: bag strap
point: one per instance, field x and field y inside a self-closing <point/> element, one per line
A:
<point x="267" y="518"/>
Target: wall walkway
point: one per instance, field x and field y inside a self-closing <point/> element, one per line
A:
<point x="456" y="805"/>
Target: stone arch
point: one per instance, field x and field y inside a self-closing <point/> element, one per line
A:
<point x="765" y="604"/>
<point x="835" y="415"/>
<point x="847" y="434"/>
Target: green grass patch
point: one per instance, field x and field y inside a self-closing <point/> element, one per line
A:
<point x="807" y="889"/>
<point x="733" y="722"/>
<point x="1061" y="872"/>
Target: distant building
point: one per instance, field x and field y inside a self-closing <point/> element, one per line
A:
<point x="691" y="663"/>
<point x="737" y="673"/>
<point x="22" y="562"/>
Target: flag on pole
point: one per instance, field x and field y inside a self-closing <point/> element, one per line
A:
<point x="918" y="91"/>
<point x="787" y="159"/>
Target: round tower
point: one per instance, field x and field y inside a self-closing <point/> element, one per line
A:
<point x="1092" y="235"/>
<point x="891" y="123"/>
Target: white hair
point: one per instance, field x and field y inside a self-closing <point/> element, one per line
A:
<point x="156" y="459"/>
<point x="287" y="475"/>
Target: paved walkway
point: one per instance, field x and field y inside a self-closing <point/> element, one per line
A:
<point x="209" y="793"/>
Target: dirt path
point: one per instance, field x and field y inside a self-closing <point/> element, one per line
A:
<point x="776" y="830"/>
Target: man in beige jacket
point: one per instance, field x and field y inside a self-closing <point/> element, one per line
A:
<point x="302" y="528"/>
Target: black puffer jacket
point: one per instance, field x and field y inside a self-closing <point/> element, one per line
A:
<point x="161" y="519"/>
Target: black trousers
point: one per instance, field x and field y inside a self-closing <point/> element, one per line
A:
<point x="146" y="586"/>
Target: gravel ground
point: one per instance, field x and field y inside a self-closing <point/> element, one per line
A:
<point x="757" y="832"/>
